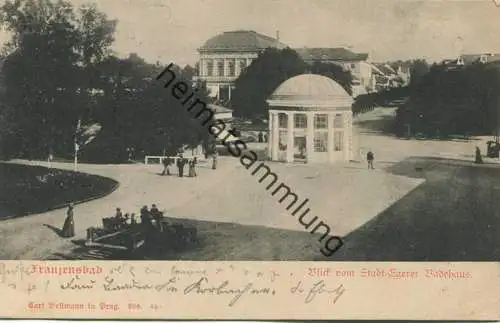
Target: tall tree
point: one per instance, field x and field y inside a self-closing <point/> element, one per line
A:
<point x="51" y="50"/>
<point x="335" y="72"/>
<point x="257" y="82"/>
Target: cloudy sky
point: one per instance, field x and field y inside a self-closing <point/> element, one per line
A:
<point x="172" y="30"/>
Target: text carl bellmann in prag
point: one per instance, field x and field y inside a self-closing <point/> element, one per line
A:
<point x="247" y="157"/>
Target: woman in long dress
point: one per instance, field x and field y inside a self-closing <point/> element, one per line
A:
<point x="68" y="229"/>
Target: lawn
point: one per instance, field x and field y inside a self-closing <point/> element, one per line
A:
<point x="27" y="190"/>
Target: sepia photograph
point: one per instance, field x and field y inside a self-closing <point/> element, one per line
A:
<point x="272" y="130"/>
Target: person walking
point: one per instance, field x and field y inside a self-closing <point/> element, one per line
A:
<point x="68" y="229"/>
<point x="166" y="164"/>
<point x="370" y="158"/>
<point x="192" y="165"/>
<point x="479" y="158"/>
<point x="214" y="160"/>
<point x="182" y="164"/>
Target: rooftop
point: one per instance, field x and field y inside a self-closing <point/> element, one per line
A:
<point x="310" y="90"/>
<point x="336" y="54"/>
<point x="240" y="40"/>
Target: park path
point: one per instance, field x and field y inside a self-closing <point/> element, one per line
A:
<point x="31" y="237"/>
<point x="231" y="194"/>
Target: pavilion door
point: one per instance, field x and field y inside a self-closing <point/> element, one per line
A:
<point x="299" y="148"/>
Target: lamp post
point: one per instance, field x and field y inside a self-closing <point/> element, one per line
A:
<point x="77" y="147"/>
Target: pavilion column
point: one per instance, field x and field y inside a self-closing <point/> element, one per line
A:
<point x="310" y="135"/>
<point x="275" y="137"/>
<point x="229" y="95"/>
<point x="290" y="131"/>
<point x="330" y="146"/>
<point x="270" y="135"/>
<point x="347" y="136"/>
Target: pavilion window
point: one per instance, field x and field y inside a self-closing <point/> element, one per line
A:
<point x="210" y="68"/>
<point x="321" y="121"/>
<point x="220" y="68"/>
<point x="283" y="120"/>
<point x="338" y="140"/>
<point x="320" y="141"/>
<point x="300" y="121"/>
<point x="338" y="121"/>
<point x="232" y="70"/>
<point x="282" y="140"/>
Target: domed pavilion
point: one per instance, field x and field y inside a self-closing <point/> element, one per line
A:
<point x="310" y="120"/>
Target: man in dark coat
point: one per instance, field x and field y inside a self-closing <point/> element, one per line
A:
<point x="370" y="157"/>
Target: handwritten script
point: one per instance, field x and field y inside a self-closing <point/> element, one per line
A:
<point x="173" y="280"/>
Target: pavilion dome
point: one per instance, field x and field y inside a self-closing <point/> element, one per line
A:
<point x="311" y="91"/>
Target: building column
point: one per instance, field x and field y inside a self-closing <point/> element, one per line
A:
<point x="275" y="137"/>
<point x="237" y="69"/>
<point x="218" y="91"/>
<point x="226" y="67"/>
<point x="331" y="146"/>
<point x="310" y="135"/>
<point x="202" y="67"/>
<point x="229" y="92"/>
<point x="289" y="144"/>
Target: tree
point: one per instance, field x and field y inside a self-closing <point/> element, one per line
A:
<point x="418" y="69"/>
<point x="52" y="50"/>
<point x="258" y="81"/>
<point x="335" y="72"/>
<point x="137" y="112"/>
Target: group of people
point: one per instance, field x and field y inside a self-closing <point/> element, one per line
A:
<point x="150" y="218"/>
<point x="181" y="162"/>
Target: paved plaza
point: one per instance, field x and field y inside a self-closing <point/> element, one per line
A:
<point x="349" y="198"/>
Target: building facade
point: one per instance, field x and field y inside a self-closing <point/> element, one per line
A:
<point x="310" y="120"/>
<point x="357" y="63"/>
<point x="225" y="56"/>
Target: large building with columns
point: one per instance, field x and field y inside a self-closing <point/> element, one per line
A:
<point x="223" y="57"/>
<point x="310" y="120"/>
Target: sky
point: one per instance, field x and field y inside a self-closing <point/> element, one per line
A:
<point x="172" y="30"/>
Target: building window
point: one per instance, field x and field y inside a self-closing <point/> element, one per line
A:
<point x="210" y="68"/>
<point x="300" y="121"/>
<point x="243" y="65"/>
<point x="321" y="121"/>
<point x="220" y="68"/>
<point x="232" y="70"/>
<point x="338" y="121"/>
<point x="320" y="141"/>
<point x="283" y="120"/>
<point x="338" y="140"/>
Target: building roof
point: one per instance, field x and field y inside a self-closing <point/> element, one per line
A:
<point x="217" y="109"/>
<point x="311" y="91"/>
<point x="240" y="41"/>
<point x="334" y="54"/>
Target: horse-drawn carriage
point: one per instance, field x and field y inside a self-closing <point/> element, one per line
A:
<point x="117" y="233"/>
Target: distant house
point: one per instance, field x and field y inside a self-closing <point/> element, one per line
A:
<point x="386" y="76"/>
<point x="356" y="63"/>
<point x="221" y="113"/>
<point x="469" y="59"/>
<point x="225" y="56"/>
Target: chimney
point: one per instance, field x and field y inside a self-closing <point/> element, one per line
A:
<point x="277" y="35"/>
